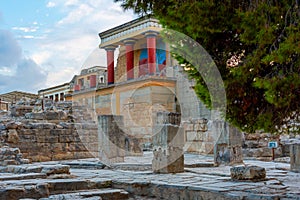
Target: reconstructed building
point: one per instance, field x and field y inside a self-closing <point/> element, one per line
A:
<point x="144" y="80"/>
<point x="56" y="93"/>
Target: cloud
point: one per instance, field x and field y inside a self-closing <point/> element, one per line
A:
<point x="71" y="42"/>
<point x="28" y="77"/>
<point x="50" y="4"/>
<point x="10" y="50"/>
<point x="17" y="72"/>
<point x="77" y="14"/>
<point x="26" y="29"/>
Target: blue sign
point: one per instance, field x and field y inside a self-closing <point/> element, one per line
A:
<point x="272" y="144"/>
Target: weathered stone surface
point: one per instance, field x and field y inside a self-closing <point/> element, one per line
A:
<point x="56" y="169"/>
<point x="111" y="138"/>
<point x="228" y="148"/>
<point x="168" y="156"/>
<point x="12" y="136"/>
<point x="295" y="157"/>
<point x="253" y="173"/>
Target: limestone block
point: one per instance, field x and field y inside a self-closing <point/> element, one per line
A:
<point x="9" y="162"/>
<point x="63" y="156"/>
<point x="66" y="138"/>
<point x="228" y="155"/>
<point x="56" y="169"/>
<point x="253" y="173"/>
<point x="168" y="153"/>
<point x="13" y="136"/>
<point x="37" y="115"/>
<point x="295" y="157"/>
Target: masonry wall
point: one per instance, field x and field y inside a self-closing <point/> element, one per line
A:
<point x="41" y="139"/>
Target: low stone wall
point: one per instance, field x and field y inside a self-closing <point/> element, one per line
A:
<point x="51" y="135"/>
<point x="198" y="139"/>
<point x="49" y="141"/>
<point x="256" y="145"/>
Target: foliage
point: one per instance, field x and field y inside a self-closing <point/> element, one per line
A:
<point x="256" y="47"/>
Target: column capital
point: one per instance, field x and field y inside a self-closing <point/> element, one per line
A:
<point x="151" y="33"/>
<point x="110" y="48"/>
<point x="129" y="41"/>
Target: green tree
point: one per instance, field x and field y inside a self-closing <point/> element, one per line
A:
<point x="256" y="47"/>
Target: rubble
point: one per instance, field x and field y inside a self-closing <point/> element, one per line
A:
<point x="253" y="173"/>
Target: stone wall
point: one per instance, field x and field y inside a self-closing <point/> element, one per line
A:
<point x="198" y="139"/>
<point x="256" y="145"/>
<point x="51" y="135"/>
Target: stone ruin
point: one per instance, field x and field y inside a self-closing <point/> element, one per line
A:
<point x="56" y="132"/>
<point x="168" y="142"/>
<point x="64" y="130"/>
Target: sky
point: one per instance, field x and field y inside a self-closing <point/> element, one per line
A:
<point x="44" y="43"/>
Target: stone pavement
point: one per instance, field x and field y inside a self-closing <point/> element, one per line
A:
<point x="133" y="179"/>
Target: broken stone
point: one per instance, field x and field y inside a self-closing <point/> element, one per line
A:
<point x="13" y="136"/>
<point x="253" y="173"/>
<point x="56" y="169"/>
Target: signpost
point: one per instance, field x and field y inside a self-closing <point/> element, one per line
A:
<point x="273" y="145"/>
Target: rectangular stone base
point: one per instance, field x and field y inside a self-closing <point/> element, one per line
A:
<point x="295" y="157"/>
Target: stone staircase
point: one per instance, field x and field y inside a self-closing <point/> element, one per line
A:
<point x="49" y="182"/>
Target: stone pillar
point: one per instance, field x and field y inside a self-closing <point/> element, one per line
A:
<point x="295" y="157"/>
<point x="111" y="138"/>
<point x="151" y="47"/>
<point x="168" y="142"/>
<point x="129" y="44"/>
<point x="228" y="147"/>
<point x="110" y="64"/>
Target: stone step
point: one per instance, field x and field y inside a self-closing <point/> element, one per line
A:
<point x="42" y="188"/>
<point x="9" y="176"/>
<point x="103" y="194"/>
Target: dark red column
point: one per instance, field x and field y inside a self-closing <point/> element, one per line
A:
<point x="130" y="59"/>
<point x="151" y="46"/>
<point x="110" y="65"/>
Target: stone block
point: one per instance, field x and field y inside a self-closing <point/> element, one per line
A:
<point x="66" y="138"/>
<point x="228" y="155"/>
<point x="228" y="148"/>
<point x="56" y="169"/>
<point x="111" y="138"/>
<point x="295" y="157"/>
<point x="63" y="156"/>
<point x="12" y="136"/>
<point x="168" y="152"/>
<point x="195" y="136"/>
<point x="253" y="173"/>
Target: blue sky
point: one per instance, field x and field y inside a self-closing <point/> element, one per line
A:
<point x="46" y="42"/>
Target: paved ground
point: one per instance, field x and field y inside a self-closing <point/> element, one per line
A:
<point x="280" y="182"/>
<point x="199" y="181"/>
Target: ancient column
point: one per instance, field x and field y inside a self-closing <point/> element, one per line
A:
<point x="129" y="44"/>
<point x="151" y="47"/>
<point x="110" y="64"/>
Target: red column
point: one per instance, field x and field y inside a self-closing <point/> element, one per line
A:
<point x="151" y="46"/>
<point x="110" y="65"/>
<point x="130" y="59"/>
